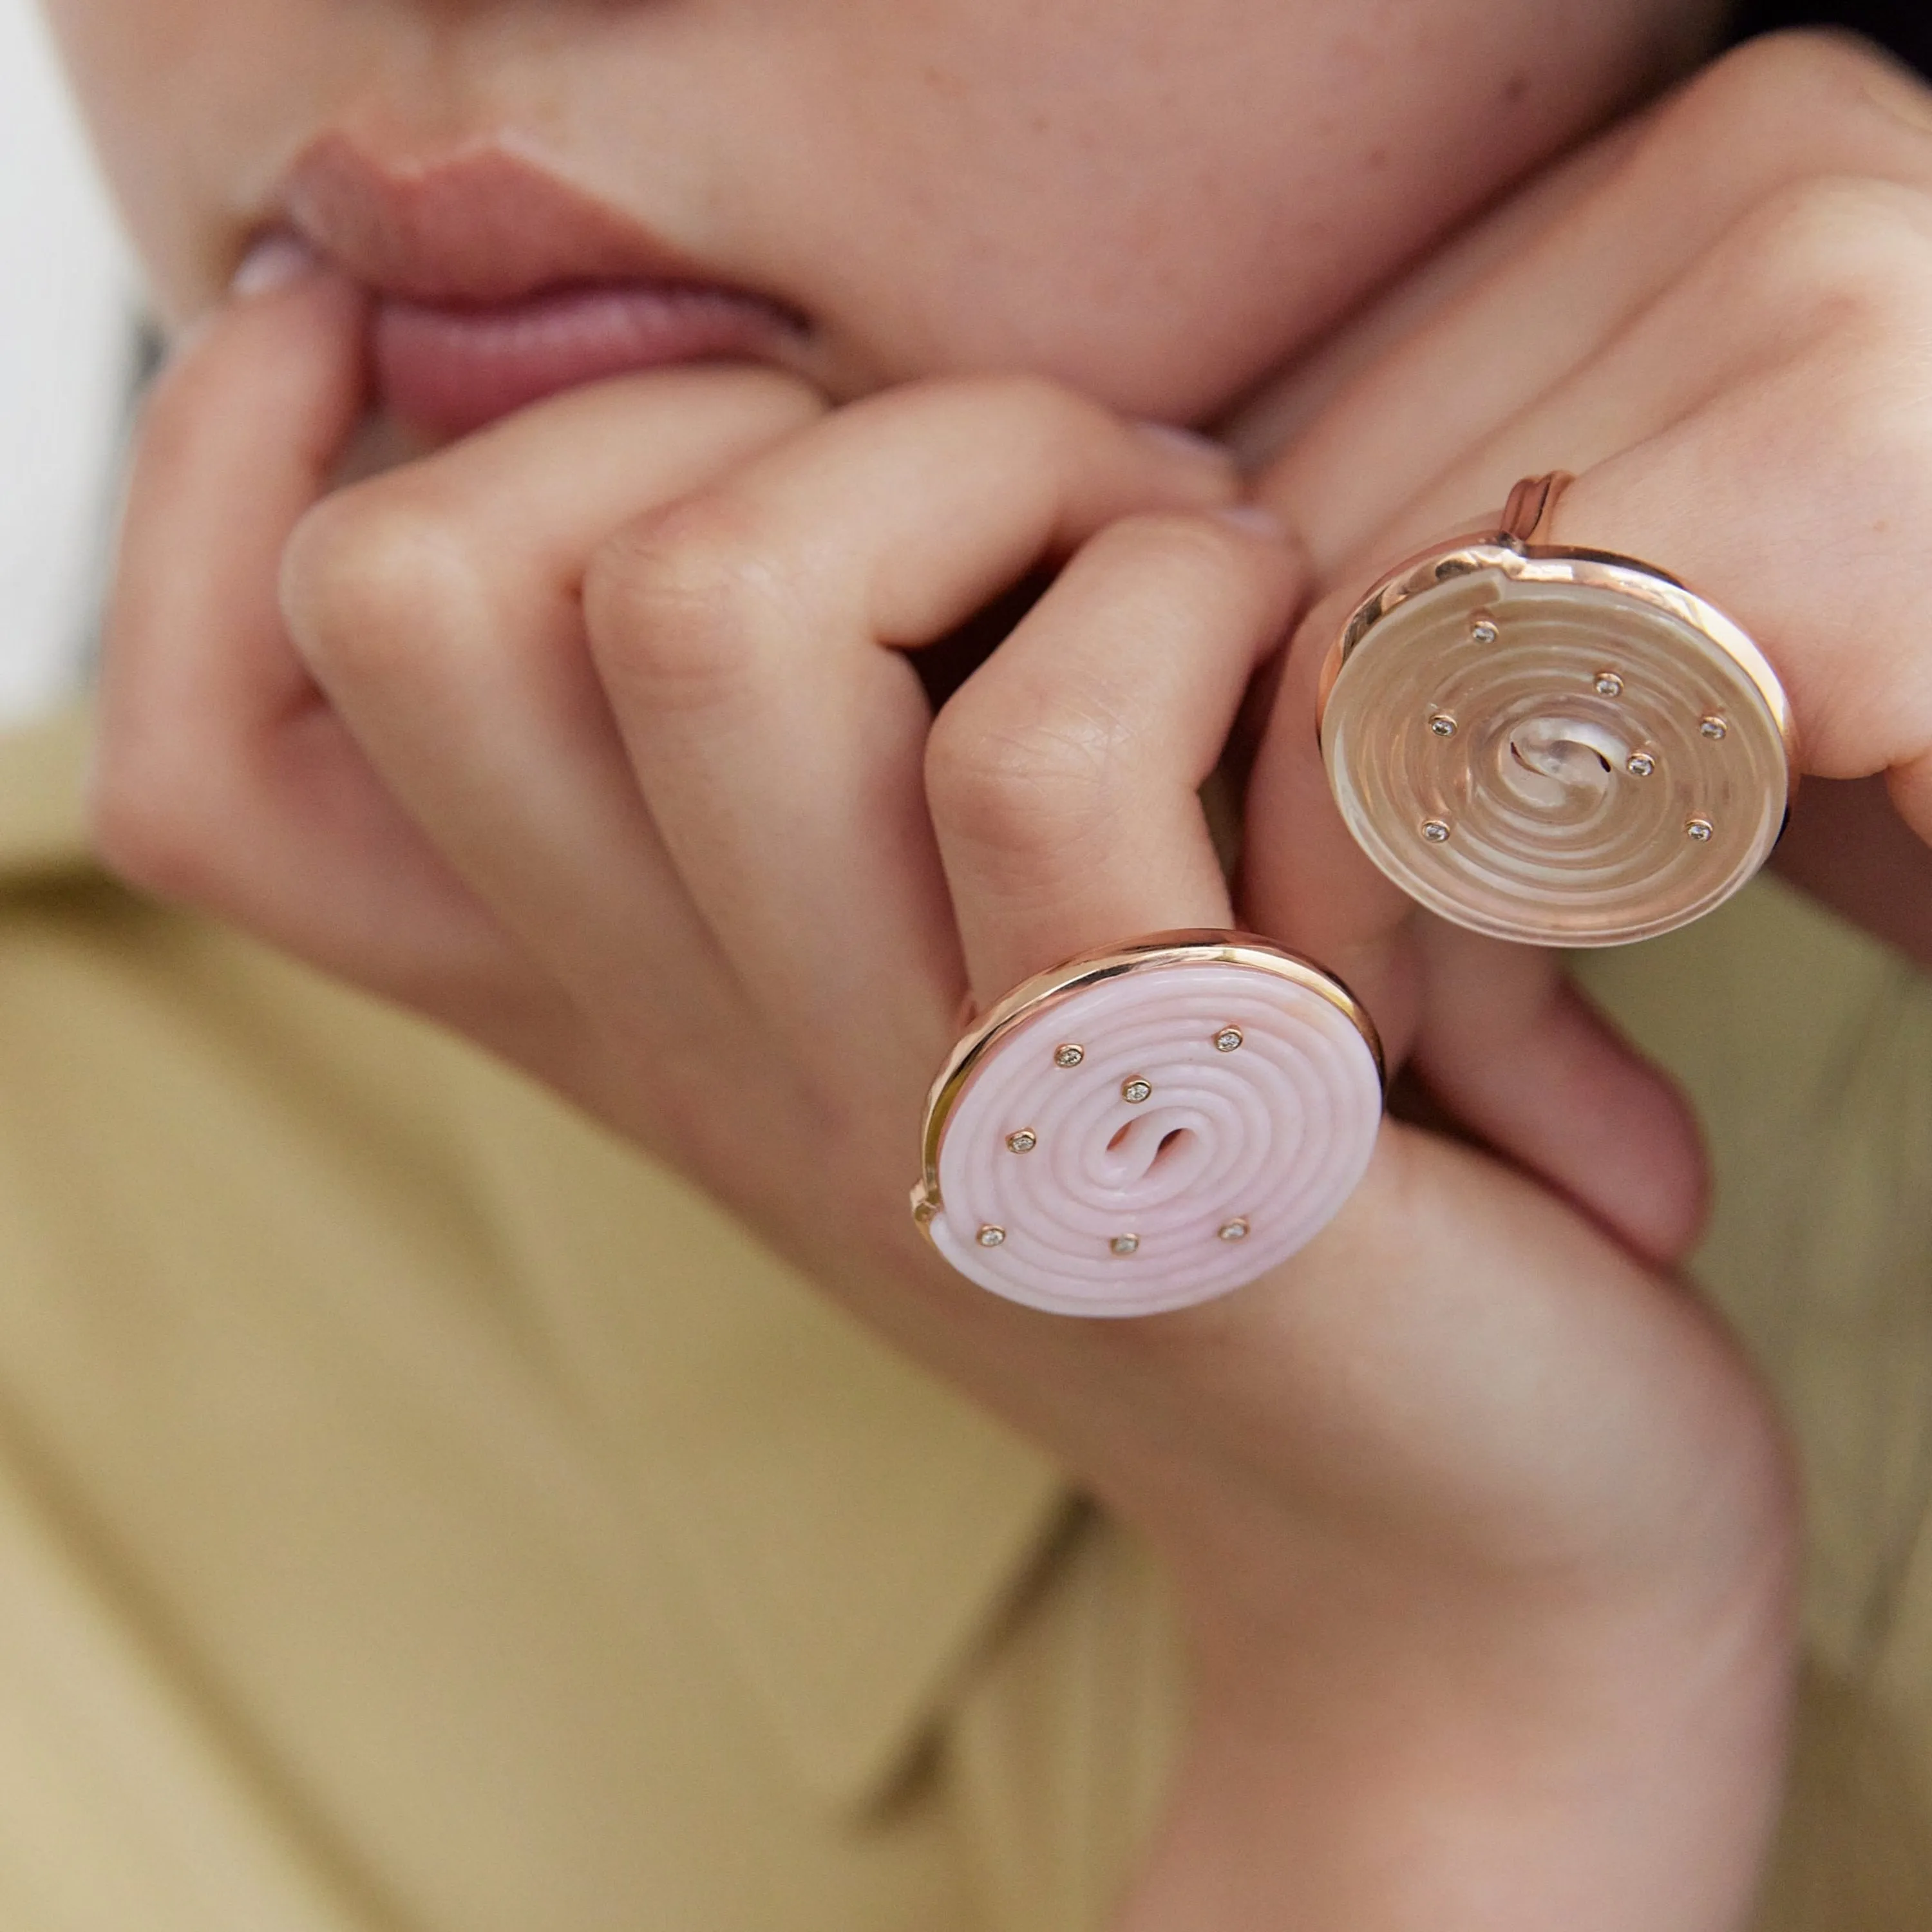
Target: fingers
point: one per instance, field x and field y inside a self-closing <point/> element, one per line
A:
<point x="1502" y="1039"/>
<point x="1784" y="470"/>
<point x="440" y="607"/>
<point x="1304" y="879"/>
<point x="1736" y="373"/>
<point x="223" y="778"/>
<point x="1760" y="429"/>
<point x="1495" y="1030"/>
<point x="1517" y="1055"/>
<point x="237" y="440"/>
<point x="1778" y="118"/>
<point x="742" y="635"/>
<point x="1065" y="775"/>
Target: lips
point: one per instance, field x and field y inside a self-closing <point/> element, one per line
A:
<point x="497" y="284"/>
<point x="450" y="369"/>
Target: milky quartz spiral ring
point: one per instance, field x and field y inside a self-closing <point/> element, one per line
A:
<point x="1561" y="746"/>
<point x="1150" y="1127"/>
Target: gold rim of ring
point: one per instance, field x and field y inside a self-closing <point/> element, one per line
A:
<point x="1156" y="951"/>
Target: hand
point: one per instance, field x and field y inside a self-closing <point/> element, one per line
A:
<point x="1717" y="319"/>
<point x="596" y="737"/>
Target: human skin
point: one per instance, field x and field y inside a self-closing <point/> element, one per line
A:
<point x="583" y="735"/>
<point x="936" y="188"/>
<point x="1738" y="377"/>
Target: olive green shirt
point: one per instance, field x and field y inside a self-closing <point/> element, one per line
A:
<point x="418" y="1512"/>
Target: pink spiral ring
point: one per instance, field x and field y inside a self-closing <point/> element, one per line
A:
<point x="1149" y="1127"/>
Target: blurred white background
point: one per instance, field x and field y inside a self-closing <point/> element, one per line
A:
<point x="67" y="358"/>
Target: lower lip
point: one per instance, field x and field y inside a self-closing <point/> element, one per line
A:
<point x="450" y="370"/>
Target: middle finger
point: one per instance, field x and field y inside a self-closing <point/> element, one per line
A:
<point x="438" y="606"/>
<point x="744" y="636"/>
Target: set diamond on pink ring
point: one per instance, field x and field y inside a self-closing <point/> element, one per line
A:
<point x="1150" y="1127"/>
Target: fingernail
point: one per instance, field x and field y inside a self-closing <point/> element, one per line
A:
<point x="1254" y="520"/>
<point x="1187" y="442"/>
<point x="274" y="262"/>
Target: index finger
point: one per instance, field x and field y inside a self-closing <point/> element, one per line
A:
<point x="222" y="777"/>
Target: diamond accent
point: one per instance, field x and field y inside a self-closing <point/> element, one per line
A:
<point x="1236" y="1230"/>
<point x="1482" y="629"/>
<point x="1436" y="831"/>
<point x="1023" y="1141"/>
<point x="991" y="1236"/>
<point x="1639" y="764"/>
<point x="1135" y="1090"/>
<point x="1713" y="727"/>
<point x="1699" y="828"/>
<point x="1442" y="724"/>
<point x="1125" y="1244"/>
<point x="1069" y="1056"/>
<point x="1228" y="1040"/>
<point x="1609" y="685"/>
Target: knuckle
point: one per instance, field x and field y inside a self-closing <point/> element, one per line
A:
<point x="1815" y="102"/>
<point x="677" y="604"/>
<point x="1031" y="776"/>
<point x="1840" y="251"/>
<point x="372" y="576"/>
<point x="1811" y="77"/>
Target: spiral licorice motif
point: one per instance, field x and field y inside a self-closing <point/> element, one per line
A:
<point x="1559" y="747"/>
<point x="1150" y="1128"/>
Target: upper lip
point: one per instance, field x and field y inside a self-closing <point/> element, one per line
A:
<point x="480" y="226"/>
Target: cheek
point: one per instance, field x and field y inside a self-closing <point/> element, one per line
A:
<point x="1155" y="203"/>
<point x="185" y="100"/>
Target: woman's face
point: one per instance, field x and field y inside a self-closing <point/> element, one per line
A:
<point x="1156" y="200"/>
